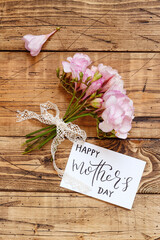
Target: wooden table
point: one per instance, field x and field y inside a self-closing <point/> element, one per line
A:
<point x="123" y="34"/>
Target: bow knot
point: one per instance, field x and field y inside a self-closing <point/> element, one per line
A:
<point x="68" y="130"/>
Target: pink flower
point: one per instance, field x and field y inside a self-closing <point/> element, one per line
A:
<point x="34" y="43"/>
<point x="118" y="113"/>
<point x="94" y="87"/>
<point x="114" y="83"/>
<point x="107" y="71"/>
<point x="77" y="64"/>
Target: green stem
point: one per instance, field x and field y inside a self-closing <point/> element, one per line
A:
<point x="30" y="149"/>
<point x="75" y="111"/>
<point x="33" y="144"/>
<point x="47" y="139"/>
<point x="73" y="108"/>
<point x="69" y="105"/>
<point x="40" y="130"/>
<point x="40" y="135"/>
<point x="79" y="116"/>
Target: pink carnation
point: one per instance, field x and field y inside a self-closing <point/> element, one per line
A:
<point x="107" y="71"/>
<point x="77" y="64"/>
<point x="118" y="113"/>
<point x="114" y="83"/>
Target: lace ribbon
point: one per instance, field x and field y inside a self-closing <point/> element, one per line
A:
<point x="68" y="130"/>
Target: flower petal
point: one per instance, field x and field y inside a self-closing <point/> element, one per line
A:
<point x="126" y="125"/>
<point x="121" y="135"/>
<point x="105" y="127"/>
<point x="66" y="67"/>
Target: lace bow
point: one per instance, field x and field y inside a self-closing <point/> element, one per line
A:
<point x="68" y="130"/>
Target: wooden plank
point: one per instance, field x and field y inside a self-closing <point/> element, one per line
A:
<point x="75" y="216"/>
<point x="141" y="127"/>
<point x="92" y="25"/>
<point x="34" y="172"/>
<point x="26" y="82"/>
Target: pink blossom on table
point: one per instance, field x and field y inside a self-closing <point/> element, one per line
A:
<point x="114" y="83"/>
<point x="77" y="64"/>
<point x="106" y="71"/>
<point x="118" y="113"/>
<point x="34" y="43"/>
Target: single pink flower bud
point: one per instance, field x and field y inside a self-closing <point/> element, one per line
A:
<point x="34" y="43"/>
<point x="96" y="76"/>
<point x="96" y="103"/>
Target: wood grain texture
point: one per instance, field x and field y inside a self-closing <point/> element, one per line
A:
<point x="34" y="172"/>
<point x="122" y="33"/>
<point x="25" y="82"/>
<point x="86" y="25"/>
<point x="74" y="216"/>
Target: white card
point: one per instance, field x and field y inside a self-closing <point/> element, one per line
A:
<point x="103" y="174"/>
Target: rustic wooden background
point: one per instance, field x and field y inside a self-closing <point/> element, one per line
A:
<point x="122" y="33"/>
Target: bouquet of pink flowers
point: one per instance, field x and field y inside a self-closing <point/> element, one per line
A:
<point x="97" y="91"/>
